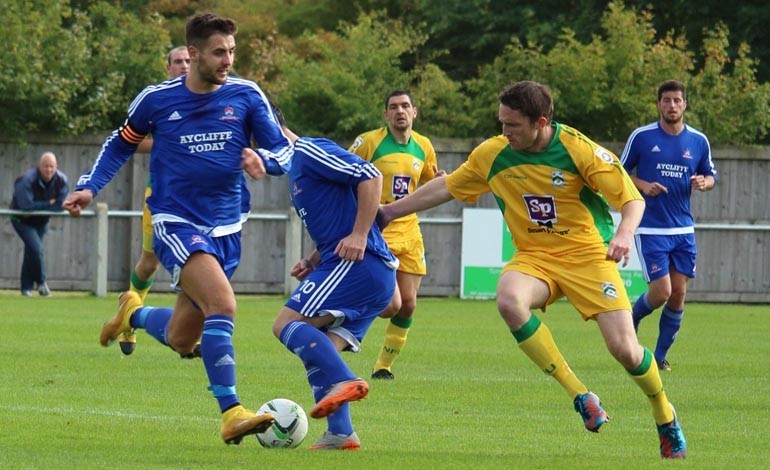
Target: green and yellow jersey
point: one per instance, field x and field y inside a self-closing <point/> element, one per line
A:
<point x="554" y="201"/>
<point x="403" y="166"/>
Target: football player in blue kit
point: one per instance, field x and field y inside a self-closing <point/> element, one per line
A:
<point x="202" y="125"/>
<point x="345" y="283"/>
<point x="671" y="159"/>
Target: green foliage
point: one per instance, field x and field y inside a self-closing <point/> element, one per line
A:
<point x="74" y="71"/>
<point x="334" y="83"/>
<point x="727" y="102"/>
<point x="607" y="87"/>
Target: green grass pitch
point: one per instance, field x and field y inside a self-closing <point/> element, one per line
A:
<point x="464" y="395"/>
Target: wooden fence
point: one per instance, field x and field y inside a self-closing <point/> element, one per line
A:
<point x="733" y="226"/>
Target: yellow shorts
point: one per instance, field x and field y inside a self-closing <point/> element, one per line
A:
<point x="591" y="283"/>
<point x="410" y="254"/>
<point x="147" y="223"/>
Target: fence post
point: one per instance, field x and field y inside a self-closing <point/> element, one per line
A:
<point x="102" y="249"/>
<point x="293" y="251"/>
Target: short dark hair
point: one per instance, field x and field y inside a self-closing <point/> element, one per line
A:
<point x="672" y="85"/>
<point x="531" y="99"/>
<point x="202" y="26"/>
<point x="398" y="93"/>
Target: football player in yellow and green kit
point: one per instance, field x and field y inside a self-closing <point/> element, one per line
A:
<point x="406" y="160"/>
<point x="553" y="186"/>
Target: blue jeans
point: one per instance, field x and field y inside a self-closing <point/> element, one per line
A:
<point x="32" y="268"/>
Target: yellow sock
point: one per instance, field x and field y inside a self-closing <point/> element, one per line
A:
<point x="647" y="377"/>
<point x="395" y="339"/>
<point x="535" y="340"/>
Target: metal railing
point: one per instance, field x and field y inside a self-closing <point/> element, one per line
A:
<point x="293" y="237"/>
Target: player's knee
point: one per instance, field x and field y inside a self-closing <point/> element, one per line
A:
<point x="408" y="307"/>
<point x="513" y="309"/>
<point x="628" y="353"/>
<point x="183" y="344"/>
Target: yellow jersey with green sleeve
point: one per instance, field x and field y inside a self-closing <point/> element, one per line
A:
<point x="555" y="201"/>
<point x="404" y="167"/>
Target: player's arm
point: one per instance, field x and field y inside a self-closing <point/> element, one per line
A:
<point x="648" y="188"/>
<point x="306" y="265"/>
<point x="353" y="246"/>
<point x="117" y="149"/>
<point x="431" y="194"/>
<point x="275" y="147"/>
<point x="702" y="183"/>
<point x="619" y="248"/>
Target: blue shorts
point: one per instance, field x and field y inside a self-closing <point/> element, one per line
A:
<point x="353" y="292"/>
<point x="658" y="252"/>
<point x="173" y="244"/>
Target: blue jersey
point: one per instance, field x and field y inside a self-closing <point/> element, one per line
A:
<point x="323" y="182"/>
<point x="196" y="153"/>
<point x="669" y="160"/>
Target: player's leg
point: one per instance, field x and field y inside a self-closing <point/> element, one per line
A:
<point x="653" y="255"/>
<point x="683" y="260"/>
<point x="517" y="295"/>
<point x="148" y="264"/>
<point x="207" y="285"/>
<point x="398" y="327"/>
<point x="617" y="330"/>
<point x="143" y="273"/>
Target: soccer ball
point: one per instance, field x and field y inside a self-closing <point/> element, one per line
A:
<point x="289" y="428"/>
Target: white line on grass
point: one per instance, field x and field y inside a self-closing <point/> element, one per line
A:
<point x="120" y="414"/>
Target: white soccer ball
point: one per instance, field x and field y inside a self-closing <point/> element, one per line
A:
<point x="289" y="428"/>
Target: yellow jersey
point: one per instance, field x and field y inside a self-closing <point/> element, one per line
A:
<point x="403" y="166"/>
<point x="554" y="201"/>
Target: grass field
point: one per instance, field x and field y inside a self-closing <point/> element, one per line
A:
<point x="464" y="395"/>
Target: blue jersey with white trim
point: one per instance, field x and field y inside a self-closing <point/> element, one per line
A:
<point x="323" y="181"/>
<point x="669" y="160"/>
<point x="196" y="154"/>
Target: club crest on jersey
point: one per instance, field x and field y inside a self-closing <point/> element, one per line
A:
<point x="687" y="155"/>
<point x="416" y="163"/>
<point x="401" y="186"/>
<point x="356" y="143"/>
<point x="541" y="209"/>
<point x="197" y="240"/>
<point x="228" y="114"/>
<point x="295" y="189"/>
<point x="557" y="179"/>
<point x="604" y="155"/>
<point x="609" y="290"/>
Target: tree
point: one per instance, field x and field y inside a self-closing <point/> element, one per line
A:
<point x="71" y="71"/>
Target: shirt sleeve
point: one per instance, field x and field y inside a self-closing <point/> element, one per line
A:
<point x="603" y="173"/>
<point x="467" y="183"/>
<point x="328" y="161"/>
<point x="275" y="148"/>
<point x="630" y="156"/>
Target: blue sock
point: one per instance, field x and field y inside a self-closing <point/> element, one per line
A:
<point x="315" y="349"/>
<point x="154" y="320"/>
<point x="641" y="309"/>
<point x="338" y="422"/>
<point x="219" y="359"/>
<point x="670" y="322"/>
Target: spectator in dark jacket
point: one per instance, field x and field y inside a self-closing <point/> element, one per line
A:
<point x="42" y="188"/>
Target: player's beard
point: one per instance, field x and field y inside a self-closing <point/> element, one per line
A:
<point x="210" y="76"/>
<point x="672" y="122"/>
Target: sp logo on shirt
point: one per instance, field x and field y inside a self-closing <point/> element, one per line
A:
<point x="541" y="209"/>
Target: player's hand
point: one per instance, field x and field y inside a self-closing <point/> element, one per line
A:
<point x="351" y="248"/>
<point x="698" y="182"/>
<point x="252" y="163"/>
<point x="655" y="188"/>
<point x="302" y="269"/>
<point x="619" y="248"/>
<point x="438" y="172"/>
<point x="78" y="201"/>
